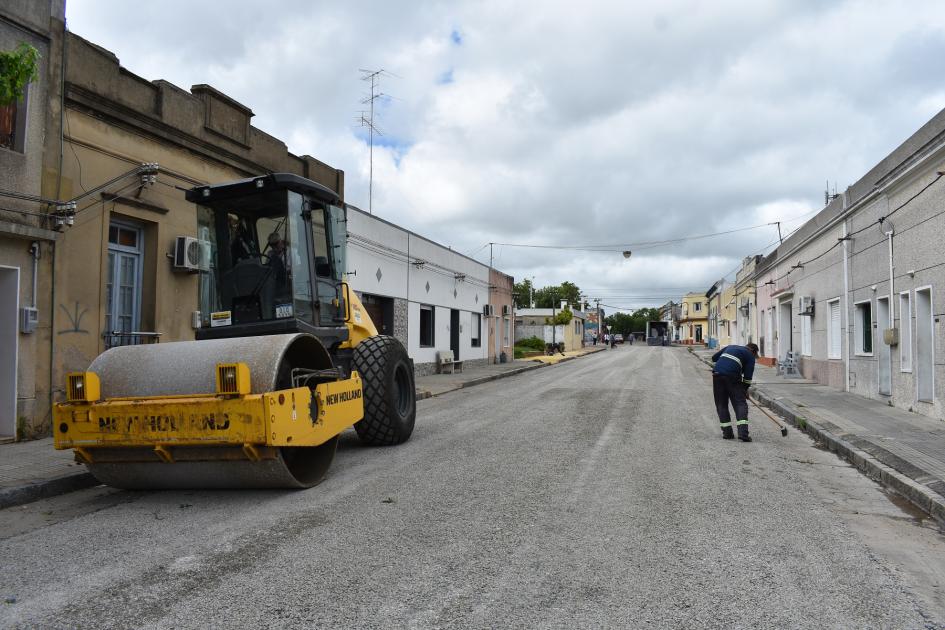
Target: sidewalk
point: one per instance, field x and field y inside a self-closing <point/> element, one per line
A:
<point x="438" y="384"/>
<point x="35" y="470"/>
<point x="904" y="451"/>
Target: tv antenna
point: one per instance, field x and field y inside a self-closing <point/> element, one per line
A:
<point x="828" y="197"/>
<point x="366" y="119"/>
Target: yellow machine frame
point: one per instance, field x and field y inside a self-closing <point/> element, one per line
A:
<point x="253" y="421"/>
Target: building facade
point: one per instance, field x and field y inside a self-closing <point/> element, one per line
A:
<point x="535" y="322"/>
<point x="693" y="319"/>
<point x="857" y="292"/>
<point x="29" y="153"/>
<point x="502" y="321"/>
<point x="430" y="297"/>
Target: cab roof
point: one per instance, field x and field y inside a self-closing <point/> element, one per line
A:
<point x="262" y="183"/>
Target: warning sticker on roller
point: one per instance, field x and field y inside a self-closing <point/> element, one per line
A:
<point x="221" y="318"/>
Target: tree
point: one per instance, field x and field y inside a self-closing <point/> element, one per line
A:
<point x="522" y="292"/>
<point x="17" y="68"/>
<point x="548" y="297"/>
<point x="562" y="317"/>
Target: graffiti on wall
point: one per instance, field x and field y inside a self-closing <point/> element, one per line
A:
<point x="75" y="319"/>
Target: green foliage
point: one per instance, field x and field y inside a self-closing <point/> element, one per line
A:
<point x="548" y="297"/>
<point x="626" y="323"/>
<point x="562" y="317"/>
<point x="17" y="68"/>
<point x="521" y="292"/>
<point x="533" y="343"/>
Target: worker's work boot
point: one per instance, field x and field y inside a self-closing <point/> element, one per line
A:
<point x="727" y="433"/>
<point x="743" y="433"/>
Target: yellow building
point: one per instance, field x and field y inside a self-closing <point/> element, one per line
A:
<point x="722" y="316"/>
<point x="694" y="318"/>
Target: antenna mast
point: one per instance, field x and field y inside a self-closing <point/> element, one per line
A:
<point x="374" y="77"/>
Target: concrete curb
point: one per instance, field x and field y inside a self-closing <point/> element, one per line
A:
<point x="919" y="495"/>
<point x="46" y="488"/>
<point x="424" y="394"/>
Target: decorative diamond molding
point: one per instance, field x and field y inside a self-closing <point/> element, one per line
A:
<point x="477" y="298"/>
<point x="379" y="275"/>
<point x="428" y="286"/>
<point x="455" y="293"/>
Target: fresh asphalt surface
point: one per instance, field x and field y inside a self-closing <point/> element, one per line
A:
<point x="596" y="493"/>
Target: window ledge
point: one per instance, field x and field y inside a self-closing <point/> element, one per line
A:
<point x="862" y="354"/>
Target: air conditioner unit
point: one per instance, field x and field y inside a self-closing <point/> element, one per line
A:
<point x="191" y="254"/>
<point x="506" y="309"/>
<point x="805" y="305"/>
<point x="488" y="310"/>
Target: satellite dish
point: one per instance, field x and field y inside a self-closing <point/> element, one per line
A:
<point x="887" y="227"/>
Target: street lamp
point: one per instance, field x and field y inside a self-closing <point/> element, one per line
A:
<point x="626" y="253"/>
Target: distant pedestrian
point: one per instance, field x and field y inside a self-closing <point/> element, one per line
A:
<point x="731" y="378"/>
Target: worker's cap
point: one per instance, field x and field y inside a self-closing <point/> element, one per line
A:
<point x="753" y="347"/>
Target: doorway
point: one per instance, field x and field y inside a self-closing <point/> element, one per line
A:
<point x="381" y="311"/>
<point x="924" y="346"/>
<point x="9" y="307"/>
<point x="454" y="333"/>
<point x="785" y="336"/>
<point x="883" y="353"/>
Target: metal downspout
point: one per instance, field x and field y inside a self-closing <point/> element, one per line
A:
<point x="846" y="311"/>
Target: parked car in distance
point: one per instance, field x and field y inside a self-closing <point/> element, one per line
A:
<point x="618" y="338"/>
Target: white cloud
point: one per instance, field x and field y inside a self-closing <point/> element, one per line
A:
<point x="618" y="122"/>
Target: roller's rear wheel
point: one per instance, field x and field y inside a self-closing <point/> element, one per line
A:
<point x="390" y="397"/>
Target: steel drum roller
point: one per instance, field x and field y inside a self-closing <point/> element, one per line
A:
<point x="189" y="367"/>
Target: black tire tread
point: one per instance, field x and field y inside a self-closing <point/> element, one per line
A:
<point x="379" y="427"/>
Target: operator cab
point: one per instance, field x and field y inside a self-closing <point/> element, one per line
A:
<point x="276" y="249"/>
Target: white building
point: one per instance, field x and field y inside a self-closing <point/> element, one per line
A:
<point x="430" y="297"/>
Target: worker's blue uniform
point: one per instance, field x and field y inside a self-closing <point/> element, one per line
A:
<point x="731" y="376"/>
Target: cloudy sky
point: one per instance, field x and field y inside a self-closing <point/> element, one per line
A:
<point x="561" y="123"/>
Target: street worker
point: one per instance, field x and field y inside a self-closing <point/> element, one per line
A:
<point x="731" y="378"/>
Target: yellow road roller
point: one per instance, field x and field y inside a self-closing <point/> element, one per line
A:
<point x="285" y="360"/>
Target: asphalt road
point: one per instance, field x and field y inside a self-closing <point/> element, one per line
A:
<point x="596" y="493"/>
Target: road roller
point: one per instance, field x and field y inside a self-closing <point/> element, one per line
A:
<point x="286" y="358"/>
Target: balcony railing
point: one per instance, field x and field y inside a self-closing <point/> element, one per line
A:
<point x="133" y="338"/>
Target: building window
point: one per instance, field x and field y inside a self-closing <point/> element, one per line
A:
<point x="863" y="327"/>
<point x="507" y="330"/>
<point x="476" y="330"/>
<point x="427" y="338"/>
<point x="697" y="307"/>
<point x="806" y="321"/>
<point x="905" y="332"/>
<point x="122" y="284"/>
<point x="833" y="330"/>
<point x="13" y="123"/>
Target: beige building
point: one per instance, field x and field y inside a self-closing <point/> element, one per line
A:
<point x="115" y="274"/>
<point x="535" y="322"/>
<point x="29" y="153"/>
<point x="501" y="323"/>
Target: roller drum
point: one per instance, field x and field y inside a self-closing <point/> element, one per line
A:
<point x="189" y="367"/>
